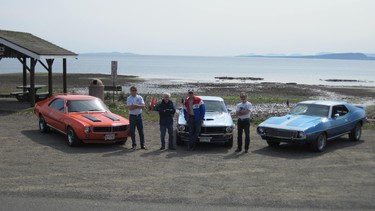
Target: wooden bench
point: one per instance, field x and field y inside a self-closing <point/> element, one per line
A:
<point x="41" y="96"/>
<point x="21" y="96"/>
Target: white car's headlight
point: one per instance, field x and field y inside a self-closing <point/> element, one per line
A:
<point x="87" y="130"/>
<point x="181" y="127"/>
<point x="229" y="129"/>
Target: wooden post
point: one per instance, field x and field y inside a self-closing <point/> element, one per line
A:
<point x="65" y="90"/>
<point x="32" y="81"/>
<point x="50" y="63"/>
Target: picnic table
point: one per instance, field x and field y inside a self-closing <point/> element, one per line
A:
<point x="24" y="95"/>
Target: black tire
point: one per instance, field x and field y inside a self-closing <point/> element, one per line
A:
<point x="72" y="138"/>
<point x="273" y="143"/>
<point x="355" y="134"/>
<point x="320" y="143"/>
<point x="229" y="143"/>
<point x="43" y="127"/>
<point x="178" y="139"/>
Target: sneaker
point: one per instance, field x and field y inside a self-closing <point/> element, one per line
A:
<point x="238" y="150"/>
<point x="246" y="150"/>
<point x="162" y="148"/>
<point x="133" y="148"/>
<point x="144" y="147"/>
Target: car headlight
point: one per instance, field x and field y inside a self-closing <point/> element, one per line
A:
<point x="229" y="129"/>
<point x="261" y="130"/>
<point x="301" y="134"/>
<point x="87" y="130"/>
<point x="181" y="127"/>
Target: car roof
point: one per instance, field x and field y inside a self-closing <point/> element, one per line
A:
<point x="324" y="102"/>
<point x="214" y="98"/>
<point x="74" y="97"/>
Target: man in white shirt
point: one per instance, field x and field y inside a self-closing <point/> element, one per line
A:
<point x="135" y="104"/>
<point x="243" y="124"/>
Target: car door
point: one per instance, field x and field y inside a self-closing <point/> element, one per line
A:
<point x="56" y="114"/>
<point x="340" y="120"/>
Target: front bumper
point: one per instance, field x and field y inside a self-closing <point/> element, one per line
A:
<point x="208" y="137"/>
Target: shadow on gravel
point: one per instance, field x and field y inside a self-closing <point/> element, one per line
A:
<point x="58" y="141"/>
<point x="294" y="151"/>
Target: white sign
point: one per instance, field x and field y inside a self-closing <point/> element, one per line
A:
<point x="114" y="70"/>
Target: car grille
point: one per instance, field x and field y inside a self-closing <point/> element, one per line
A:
<point x="213" y="130"/>
<point x="281" y="133"/>
<point x="109" y="129"/>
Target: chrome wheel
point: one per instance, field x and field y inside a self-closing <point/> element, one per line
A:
<point x="320" y="143"/>
<point x="356" y="133"/>
<point x="72" y="138"/>
<point x="43" y="125"/>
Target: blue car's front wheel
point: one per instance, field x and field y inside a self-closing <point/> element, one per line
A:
<point x="320" y="143"/>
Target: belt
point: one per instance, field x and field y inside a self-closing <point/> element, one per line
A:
<point x="246" y="119"/>
<point x="135" y="114"/>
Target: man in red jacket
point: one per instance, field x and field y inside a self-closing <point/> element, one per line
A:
<point x="194" y="111"/>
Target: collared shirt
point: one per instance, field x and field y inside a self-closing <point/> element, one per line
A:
<point x="135" y="100"/>
<point x="244" y="106"/>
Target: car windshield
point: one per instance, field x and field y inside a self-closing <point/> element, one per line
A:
<point x="310" y="110"/>
<point x="86" y="105"/>
<point x="215" y="106"/>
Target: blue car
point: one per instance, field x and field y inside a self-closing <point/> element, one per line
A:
<point x="314" y="122"/>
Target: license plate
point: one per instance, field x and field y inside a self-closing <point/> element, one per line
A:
<point x="109" y="137"/>
<point x="205" y="139"/>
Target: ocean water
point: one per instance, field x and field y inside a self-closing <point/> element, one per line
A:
<point x="205" y="69"/>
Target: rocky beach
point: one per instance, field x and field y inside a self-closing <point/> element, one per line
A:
<point x="267" y="98"/>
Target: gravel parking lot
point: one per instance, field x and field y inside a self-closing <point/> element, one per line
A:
<point x="42" y="167"/>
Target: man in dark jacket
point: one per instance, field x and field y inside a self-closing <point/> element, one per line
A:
<point x="166" y="110"/>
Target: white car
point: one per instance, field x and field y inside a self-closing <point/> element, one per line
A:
<point x="217" y="126"/>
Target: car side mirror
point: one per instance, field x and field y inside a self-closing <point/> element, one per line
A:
<point x="229" y="110"/>
<point x="337" y="115"/>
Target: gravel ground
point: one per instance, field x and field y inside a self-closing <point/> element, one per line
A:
<point x="42" y="167"/>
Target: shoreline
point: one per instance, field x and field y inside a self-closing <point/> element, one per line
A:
<point x="268" y="98"/>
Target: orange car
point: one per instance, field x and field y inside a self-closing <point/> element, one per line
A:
<point x="82" y="118"/>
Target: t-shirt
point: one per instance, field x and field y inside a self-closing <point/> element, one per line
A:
<point x="135" y="100"/>
<point x="244" y="106"/>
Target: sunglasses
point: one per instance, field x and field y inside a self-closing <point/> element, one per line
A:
<point x="133" y="90"/>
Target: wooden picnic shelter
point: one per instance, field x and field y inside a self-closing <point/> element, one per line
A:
<point x="30" y="50"/>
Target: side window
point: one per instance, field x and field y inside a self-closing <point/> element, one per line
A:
<point x="57" y="104"/>
<point x="341" y="110"/>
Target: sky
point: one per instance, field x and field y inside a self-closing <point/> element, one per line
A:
<point x="197" y="27"/>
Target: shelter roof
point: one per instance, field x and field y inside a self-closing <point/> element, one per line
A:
<point x="30" y="45"/>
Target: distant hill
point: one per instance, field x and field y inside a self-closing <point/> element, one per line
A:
<point x="107" y="54"/>
<point x="345" y="56"/>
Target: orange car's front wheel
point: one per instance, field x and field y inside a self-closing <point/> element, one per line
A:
<point x="72" y="138"/>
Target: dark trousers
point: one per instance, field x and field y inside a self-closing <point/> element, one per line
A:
<point x="243" y="125"/>
<point x="163" y="130"/>
<point x="194" y="130"/>
<point x="136" y="122"/>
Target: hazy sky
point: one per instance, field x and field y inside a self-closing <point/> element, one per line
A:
<point x="197" y="27"/>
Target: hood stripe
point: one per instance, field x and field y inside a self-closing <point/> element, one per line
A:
<point x="111" y="117"/>
<point x="92" y="118"/>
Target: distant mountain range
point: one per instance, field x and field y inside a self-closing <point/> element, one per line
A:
<point x="345" y="56"/>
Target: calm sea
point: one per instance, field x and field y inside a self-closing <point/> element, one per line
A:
<point x="205" y="69"/>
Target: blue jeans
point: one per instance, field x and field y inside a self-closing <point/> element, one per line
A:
<point x="136" y="122"/>
<point x="194" y="130"/>
<point x="163" y="129"/>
